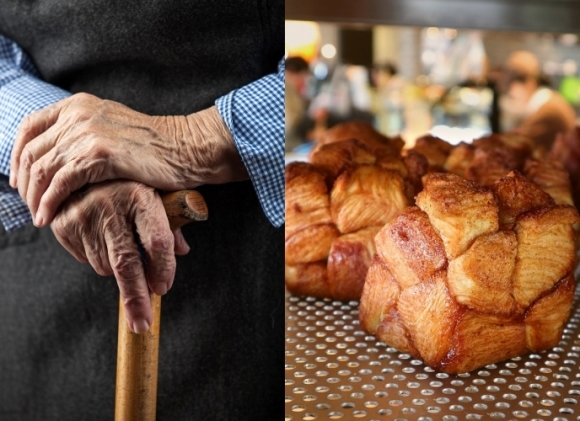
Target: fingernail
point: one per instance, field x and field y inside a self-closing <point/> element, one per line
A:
<point x="140" y="326"/>
<point x="39" y="220"/>
<point x="160" y="288"/>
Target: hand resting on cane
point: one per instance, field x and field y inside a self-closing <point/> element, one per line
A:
<point x="84" y="139"/>
<point x="98" y="225"/>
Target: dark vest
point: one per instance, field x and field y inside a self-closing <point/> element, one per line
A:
<point x="221" y="355"/>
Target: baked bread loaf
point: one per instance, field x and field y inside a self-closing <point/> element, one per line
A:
<point x="491" y="157"/>
<point x="329" y="234"/>
<point x="473" y="274"/>
<point x="356" y="182"/>
<point x="378" y="143"/>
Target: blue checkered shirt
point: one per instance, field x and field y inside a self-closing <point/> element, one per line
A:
<point x="254" y="114"/>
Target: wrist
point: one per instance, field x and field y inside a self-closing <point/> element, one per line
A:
<point x="207" y="153"/>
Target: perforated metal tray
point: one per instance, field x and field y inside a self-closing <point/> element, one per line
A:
<point x="334" y="371"/>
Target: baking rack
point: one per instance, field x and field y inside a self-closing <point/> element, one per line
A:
<point x="335" y="371"/>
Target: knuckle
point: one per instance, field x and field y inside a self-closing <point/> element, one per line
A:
<point x="127" y="266"/>
<point x="58" y="225"/>
<point x="94" y="142"/>
<point x="98" y="152"/>
<point x="38" y="173"/>
<point x="59" y="188"/>
<point x="90" y="138"/>
<point x="134" y="301"/>
<point x="74" y="217"/>
<point x="161" y="241"/>
<point x="26" y="158"/>
<point x="73" y="214"/>
<point x="85" y="170"/>
<point x="80" y="113"/>
<point x="61" y="183"/>
<point x="82" y="96"/>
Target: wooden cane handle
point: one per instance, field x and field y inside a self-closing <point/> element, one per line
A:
<point x="138" y="355"/>
<point x="183" y="207"/>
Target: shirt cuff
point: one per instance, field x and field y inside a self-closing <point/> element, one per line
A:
<point x="13" y="211"/>
<point x="18" y="98"/>
<point x="254" y="115"/>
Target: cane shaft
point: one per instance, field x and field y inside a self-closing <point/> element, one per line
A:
<point x="138" y="355"/>
<point x="137" y="366"/>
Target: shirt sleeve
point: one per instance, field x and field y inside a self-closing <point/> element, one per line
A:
<point x="21" y="92"/>
<point x="254" y="115"/>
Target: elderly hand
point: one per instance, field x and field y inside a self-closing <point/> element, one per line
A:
<point x="83" y="139"/>
<point x="98" y="226"/>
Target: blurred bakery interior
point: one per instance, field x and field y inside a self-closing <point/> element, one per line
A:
<point x="456" y="70"/>
<point x="412" y="67"/>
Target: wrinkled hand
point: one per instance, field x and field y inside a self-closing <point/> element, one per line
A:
<point x="98" y="226"/>
<point x="84" y="139"/>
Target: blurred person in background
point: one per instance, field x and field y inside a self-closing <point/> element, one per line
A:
<point x="344" y="96"/>
<point x="297" y="72"/>
<point x="388" y="101"/>
<point x="530" y="106"/>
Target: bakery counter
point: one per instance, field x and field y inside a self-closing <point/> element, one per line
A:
<point x="335" y="371"/>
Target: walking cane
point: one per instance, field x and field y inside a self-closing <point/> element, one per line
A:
<point x="137" y="355"/>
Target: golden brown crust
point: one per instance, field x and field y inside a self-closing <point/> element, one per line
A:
<point x="306" y="199"/>
<point x="516" y="195"/>
<point x="429" y="313"/>
<point x="371" y="187"/>
<point x="348" y="262"/>
<point x="297" y="219"/>
<point x="496" y="155"/>
<point x="488" y="165"/>
<point x="434" y="149"/>
<point x="566" y="149"/>
<point x="307" y="279"/>
<point x="310" y="244"/>
<point x="546" y="250"/>
<point x="336" y="157"/>
<point x="417" y="167"/>
<point x="363" y="132"/>
<point x="366" y="196"/>
<point x="393" y="163"/>
<point x="481" y="278"/>
<point x="459" y="159"/>
<point x="392" y="331"/>
<point x="546" y="317"/>
<point x="551" y="177"/>
<point x="380" y="293"/>
<point x="471" y="276"/>
<point x="378" y="311"/>
<point x="493" y="294"/>
<point x="517" y="141"/>
<point x="295" y="173"/>
<point x="411" y="247"/>
<point x="458" y="209"/>
<point x="481" y="339"/>
<point x="518" y="145"/>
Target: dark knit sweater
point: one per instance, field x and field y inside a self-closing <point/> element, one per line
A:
<point x="221" y="355"/>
